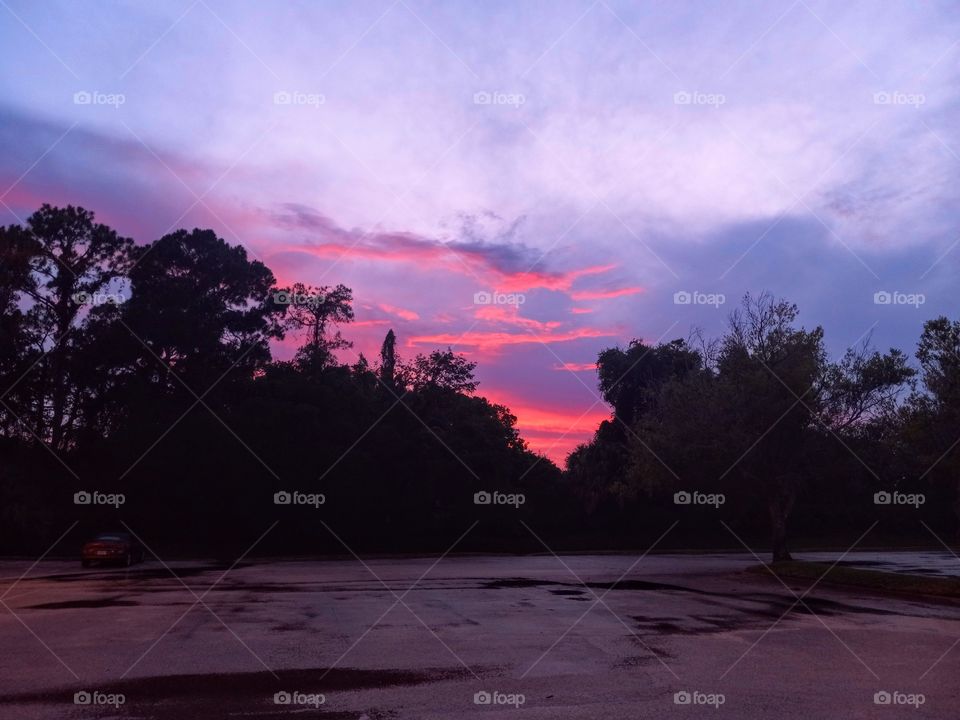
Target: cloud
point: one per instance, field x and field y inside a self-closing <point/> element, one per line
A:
<point x="492" y="341"/>
<point x="369" y="323"/>
<point x="501" y="266"/>
<point x="399" y="312"/>
<point x="510" y="315"/>
<point x="605" y="294"/>
<point x="403" y="189"/>
<point x="142" y="192"/>
<point x="325" y="238"/>
<point x="575" y="367"/>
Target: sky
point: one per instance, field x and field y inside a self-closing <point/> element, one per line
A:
<point x="526" y="182"/>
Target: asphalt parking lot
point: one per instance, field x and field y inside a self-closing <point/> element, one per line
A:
<point x="538" y="637"/>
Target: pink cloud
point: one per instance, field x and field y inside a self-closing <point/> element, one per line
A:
<point x="401" y="313"/>
<point x="399" y="247"/>
<point x="505" y="267"/>
<point x="492" y="341"/>
<point x="530" y="280"/>
<point x="368" y="323"/>
<point x="510" y="315"/>
<point x="606" y="294"/>
<point x="575" y="367"/>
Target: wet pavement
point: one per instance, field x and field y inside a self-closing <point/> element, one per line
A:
<point x="581" y="636"/>
<point x="933" y="563"/>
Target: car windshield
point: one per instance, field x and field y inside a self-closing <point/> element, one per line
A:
<point x="108" y="536"/>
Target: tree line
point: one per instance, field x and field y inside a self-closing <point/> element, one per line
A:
<point x="145" y="371"/>
<point x="764" y="428"/>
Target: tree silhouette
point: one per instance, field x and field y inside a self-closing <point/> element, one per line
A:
<point x="388" y="362"/>
<point x="75" y="264"/>
<point x="751" y="419"/>
<point x="150" y="367"/>
<point x="313" y="309"/>
<point x="440" y="370"/>
<point x="933" y="416"/>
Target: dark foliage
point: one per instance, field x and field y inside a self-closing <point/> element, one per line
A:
<point x="147" y="371"/>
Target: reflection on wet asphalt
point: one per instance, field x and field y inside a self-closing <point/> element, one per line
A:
<point x="594" y="637"/>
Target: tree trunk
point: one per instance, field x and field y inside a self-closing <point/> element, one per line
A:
<point x="59" y="364"/>
<point x="779" y="510"/>
<point x="779" y="538"/>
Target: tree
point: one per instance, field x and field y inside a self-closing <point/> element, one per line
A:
<point x="17" y="248"/>
<point x="756" y="423"/>
<point x="440" y="370"/>
<point x="932" y="422"/>
<point x="596" y="469"/>
<point x="200" y="315"/>
<point x="388" y="362"/>
<point x="313" y="309"/>
<point x="744" y="425"/>
<point x="628" y="380"/>
<point x="169" y="375"/>
<point x="627" y="377"/>
<point x="863" y="387"/>
<point x="939" y="354"/>
<point x="365" y="378"/>
<point x="768" y="373"/>
<point x="77" y="264"/>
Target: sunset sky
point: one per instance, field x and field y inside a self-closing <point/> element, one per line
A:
<point x="589" y="160"/>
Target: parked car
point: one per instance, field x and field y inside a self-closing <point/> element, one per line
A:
<point x="111" y="547"/>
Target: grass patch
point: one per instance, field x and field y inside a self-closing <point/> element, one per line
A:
<point x="870" y="579"/>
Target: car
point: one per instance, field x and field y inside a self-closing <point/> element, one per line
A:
<point x="111" y="547"/>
